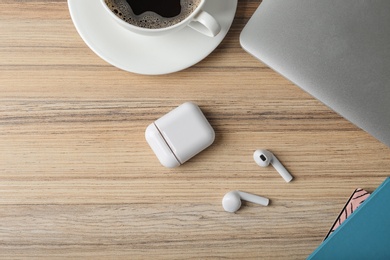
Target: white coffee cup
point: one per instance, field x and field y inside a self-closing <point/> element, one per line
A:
<point x="198" y="20"/>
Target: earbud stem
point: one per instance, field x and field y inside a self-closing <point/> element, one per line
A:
<point x="253" y="198"/>
<point x="281" y="170"/>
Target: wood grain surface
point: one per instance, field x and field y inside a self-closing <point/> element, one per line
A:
<point x="78" y="180"/>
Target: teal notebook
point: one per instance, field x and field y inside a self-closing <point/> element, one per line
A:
<point x="365" y="234"/>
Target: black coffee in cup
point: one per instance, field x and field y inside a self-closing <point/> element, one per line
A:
<point x="153" y="14"/>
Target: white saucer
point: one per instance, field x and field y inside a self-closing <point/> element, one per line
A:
<point x="143" y="54"/>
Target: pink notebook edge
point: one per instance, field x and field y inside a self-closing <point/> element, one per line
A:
<point x="357" y="197"/>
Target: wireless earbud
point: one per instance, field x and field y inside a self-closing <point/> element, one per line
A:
<point x="231" y="202"/>
<point x="263" y="158"/>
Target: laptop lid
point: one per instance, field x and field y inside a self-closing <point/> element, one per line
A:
<point x="336" y="50"/>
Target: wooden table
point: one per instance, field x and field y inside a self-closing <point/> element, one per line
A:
<point x="78" y="180"/>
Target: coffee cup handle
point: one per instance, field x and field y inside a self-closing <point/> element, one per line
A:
<point x="206" y="24"/>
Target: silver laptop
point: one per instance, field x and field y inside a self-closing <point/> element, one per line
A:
<point x="336" y="50"/>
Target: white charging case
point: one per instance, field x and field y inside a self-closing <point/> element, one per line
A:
<point x="179" y="135"/>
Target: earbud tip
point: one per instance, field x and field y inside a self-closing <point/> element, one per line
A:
<point x="231" y="202"/>
<point x="262" y="157"/>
